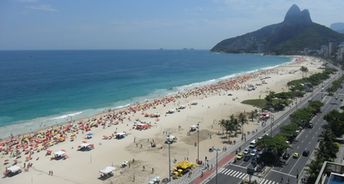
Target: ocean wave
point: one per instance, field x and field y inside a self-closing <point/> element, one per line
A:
<point x="66" y="115"/>
<point x="213" y="81"/>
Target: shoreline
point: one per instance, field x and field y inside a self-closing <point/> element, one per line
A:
<point x="42" y="123"/>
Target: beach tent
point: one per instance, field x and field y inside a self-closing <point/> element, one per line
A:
<point x="85" y="146"/>
<point x="171" y="111"/>
<point x="182" y="107"/>
<point x="59" y="154"/>
<point x="170" y="139"/>
<point x="107" y="171"/>
<point x="13" y="170"/>
<point x="193" y="128"/>
<point x="89" y="135"/>
<point x="141" y="126"/>
<point x="120" y="135"/>
<point x="155" y="180"/>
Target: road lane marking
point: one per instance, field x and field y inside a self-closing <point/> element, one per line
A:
<point x="236" y="173"/>
<point x="238" y="166"/>
<point x="244" y="176"/>
<point x="240" y="175"/>
<point x="232" y="173"/>
<point x="273" y="170"/>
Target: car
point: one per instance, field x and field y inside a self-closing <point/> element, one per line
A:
<point x="247" y="158"/>
<point x="239" y="156"/>
<point x="285" y="155"/>
<point x="305" y="153"/>
<point x="296" y="155"/>
<point x="253" y="152"/>
<point x="310" y="125"/>
<point x="246" y="151"/>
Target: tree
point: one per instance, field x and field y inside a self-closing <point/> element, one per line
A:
<point x="253" y="114"/>
<point x="335" y="121"/>
<point x="303" y="70"/>
<point x="242" y="120"/>
<point x="229" y="126"/>
<point x="273" y="148"/>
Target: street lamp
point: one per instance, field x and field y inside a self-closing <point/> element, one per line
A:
<point x="271" y="124"/>
<point x="197" y="142"/>
<point x="216" y="166"/>
<point x="169" y="158"/>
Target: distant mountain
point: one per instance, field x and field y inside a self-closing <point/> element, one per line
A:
<point x="339" y="27"/>
<point x="295" y="33"/>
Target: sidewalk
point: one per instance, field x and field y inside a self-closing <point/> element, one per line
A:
<point x="207" y="174"/>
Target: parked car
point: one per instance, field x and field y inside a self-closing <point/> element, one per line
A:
<point x="246" y="151"/>
<point x="247" y="158"/>
<point x="296" y="155"/>
<point x="253" y="152"/>
<point x="285" y="155"/>
<point x="239" y="156"/>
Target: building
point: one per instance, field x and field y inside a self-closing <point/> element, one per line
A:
<point x="331" y="173"/>
<point x="324" y="51"/>
<point x="340" y="52"/>
<point x="331" y="49"/>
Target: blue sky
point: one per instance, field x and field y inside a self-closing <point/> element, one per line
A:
<point x="143" y="24"/>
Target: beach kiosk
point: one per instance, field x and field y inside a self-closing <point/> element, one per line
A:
<point x="106" y="172"/>
<point x="11" y="171"/>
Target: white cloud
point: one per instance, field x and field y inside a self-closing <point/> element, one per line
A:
<point x="43" y="7"/>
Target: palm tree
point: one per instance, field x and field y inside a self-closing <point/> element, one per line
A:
<point x="304" y="70"/>
<point x="253" y="114"/>
<point x="242" y="120"/>
<point x="229" y="126"/>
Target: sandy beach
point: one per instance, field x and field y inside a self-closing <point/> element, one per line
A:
<point x="205" y="105"/>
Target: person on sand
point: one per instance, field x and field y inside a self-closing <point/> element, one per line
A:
<point x="152" y="170"/>
<point x="143" y="168"/>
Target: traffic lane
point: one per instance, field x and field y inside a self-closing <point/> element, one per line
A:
<point x="279" y="177"/>
<point x="302" y="162"/>
<point x="307" y="138"/>
<point x="224" y="179"/>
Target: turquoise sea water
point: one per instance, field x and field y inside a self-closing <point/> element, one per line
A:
<point x="52" y="84"/>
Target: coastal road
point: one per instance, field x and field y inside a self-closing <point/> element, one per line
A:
<point x="307" y="139"/>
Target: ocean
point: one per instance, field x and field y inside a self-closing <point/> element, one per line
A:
<point x="55" y="86"/>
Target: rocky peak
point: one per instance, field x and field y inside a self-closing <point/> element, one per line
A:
<point x="296" y="16"/>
